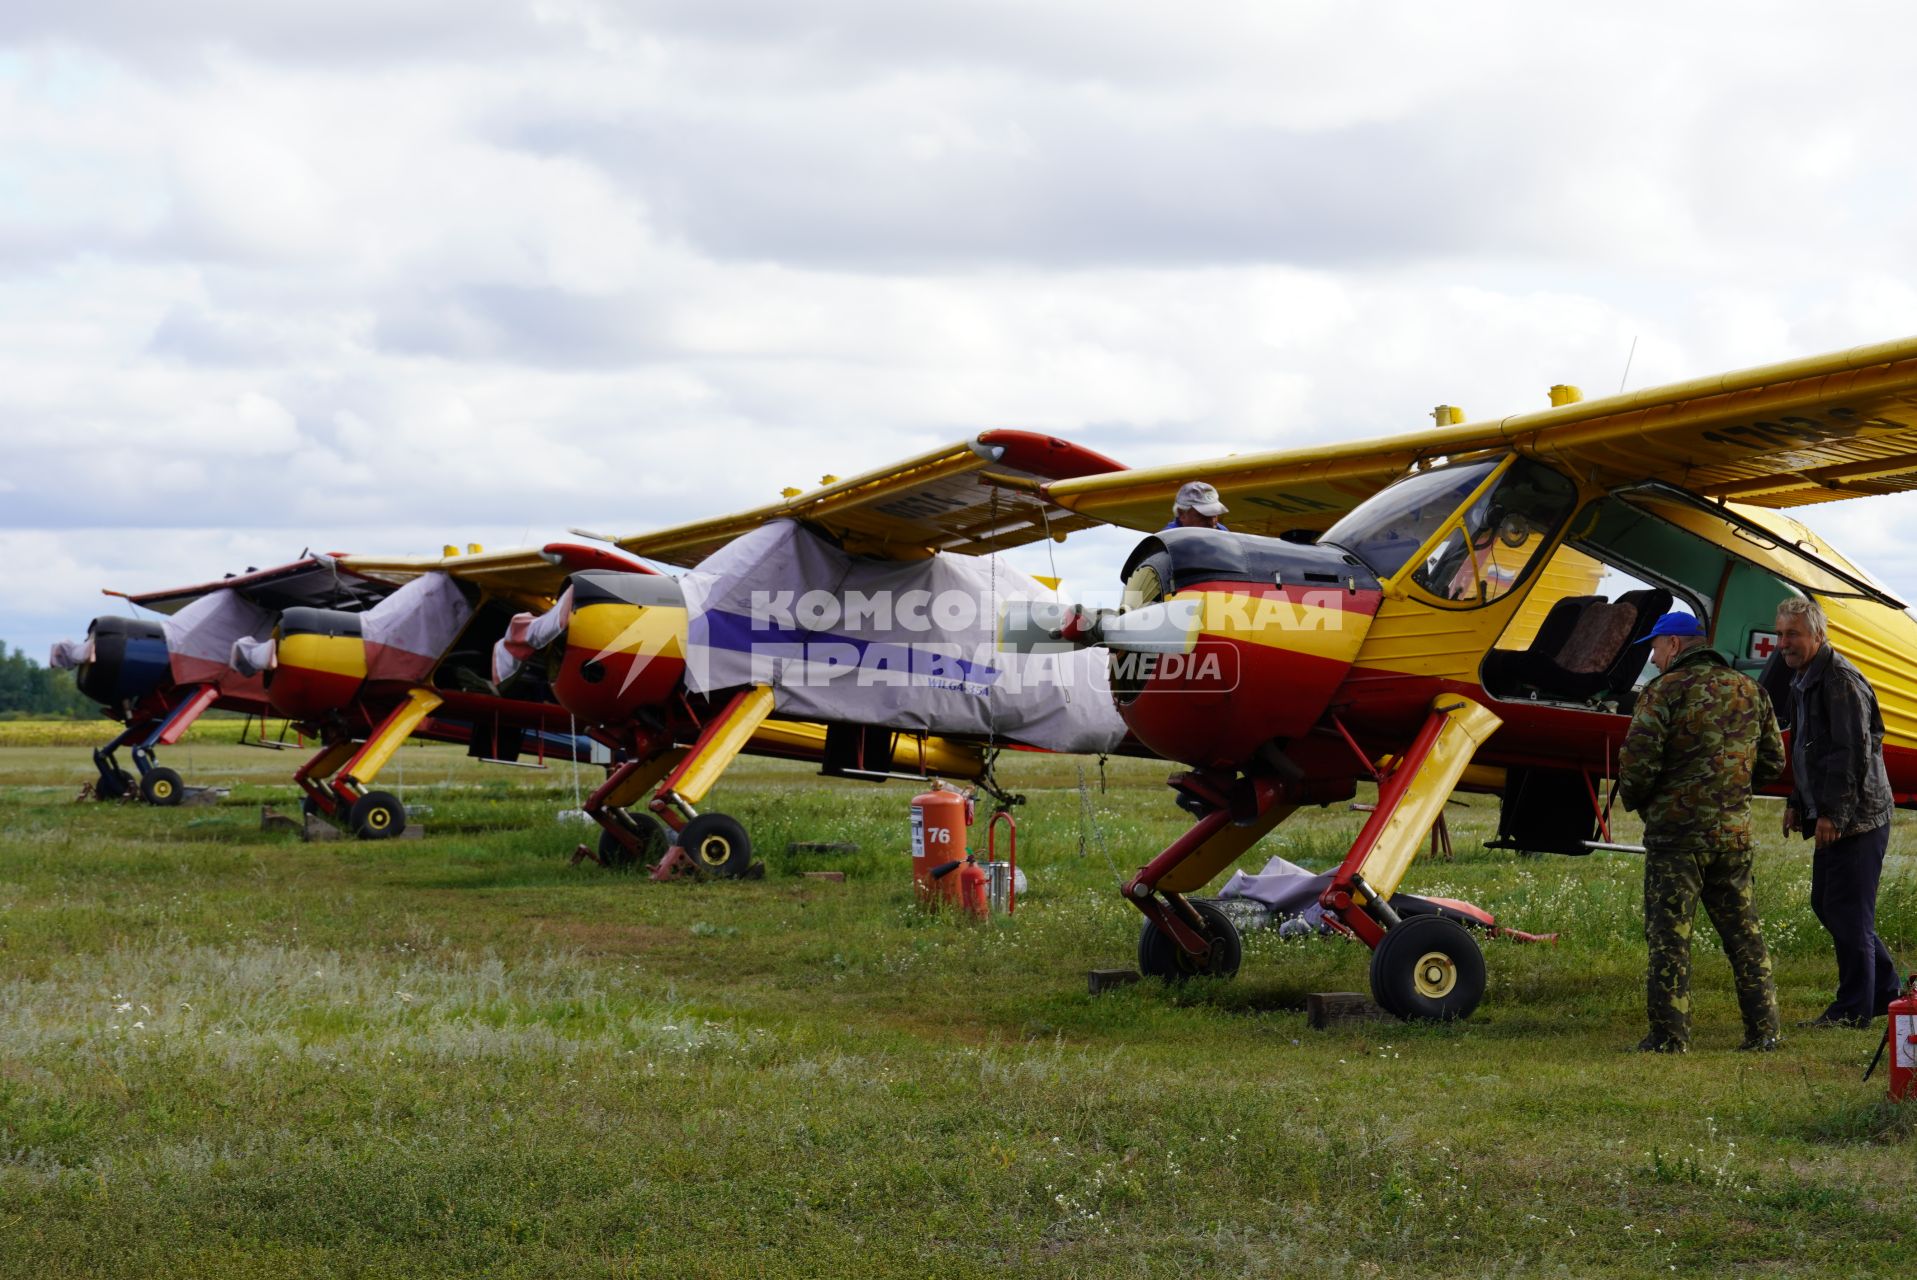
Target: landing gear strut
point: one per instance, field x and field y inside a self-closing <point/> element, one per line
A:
<point x="710" y="844"/>
<point x="1422" y="967"/>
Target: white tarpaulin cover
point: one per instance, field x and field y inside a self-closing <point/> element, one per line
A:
<point x="906" y="645"/>
<point x="527" y="634"/>
<point x="201" y="636"/>
<point x="250" y="657"/>
<point x="70" y="655"/>
<point x="408" y="631"/>
<point x="1289" y="892"/>
<point x="1283" y="888"/>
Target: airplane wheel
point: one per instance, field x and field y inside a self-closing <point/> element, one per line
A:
<point x="162" y="786"/>
<point x="718" y="844"/>
<point x="377" y="816"/>
<point x="1159" y="956"/>
<point x="1428" y="969"/>
<point x="117" y="785"/>
<point x="654" y="840"/>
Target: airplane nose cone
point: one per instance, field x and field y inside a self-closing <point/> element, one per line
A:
<point x="129" y="660"/>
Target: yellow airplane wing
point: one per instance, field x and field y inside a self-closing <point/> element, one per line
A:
<point x="315" y="580"/>
<point x="1815" y="430"/>
<point x="1266" y="493"/>
<point x="974" y="497"/>
<point x="531" y="576"/>
<point x="1828" y="427"/>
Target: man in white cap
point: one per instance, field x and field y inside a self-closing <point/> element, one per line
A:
<point x="1197" y="507"/>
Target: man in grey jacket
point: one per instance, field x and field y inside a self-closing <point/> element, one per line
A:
<point x="1841" y="798"/>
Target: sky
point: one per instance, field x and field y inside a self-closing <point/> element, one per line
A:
<point x="373" y="277"/>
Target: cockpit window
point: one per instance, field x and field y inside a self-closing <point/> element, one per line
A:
<point x="1387" y="528"/>
<point x="1486" y="553"/>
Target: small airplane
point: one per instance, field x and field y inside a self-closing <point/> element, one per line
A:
<point x="683" y="673"/>
<point x="416" y="663"/>
<point x="1462" y="607"/>
<point x="158" y="677"/>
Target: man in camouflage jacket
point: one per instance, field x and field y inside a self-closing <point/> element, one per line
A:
<point x="1702" y="736"/>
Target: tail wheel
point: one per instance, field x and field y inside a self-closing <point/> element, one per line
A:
<point x="718" y="845"/>
<point x="162" y="786"/>
<point x="654" y="840"/>
<point x="1428" y="969"/>
<point x="1160" y="956"/>
<point x="377" y="815"/>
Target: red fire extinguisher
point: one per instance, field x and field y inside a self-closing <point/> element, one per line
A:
<point x="967" y="889"/>
<point x="1901" y="1038"/>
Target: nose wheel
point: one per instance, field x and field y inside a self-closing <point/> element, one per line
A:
<point x="1428" y="969"/>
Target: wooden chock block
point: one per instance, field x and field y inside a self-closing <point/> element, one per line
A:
<point x="1327" y="1009"/>
<point x="272" y="819"/>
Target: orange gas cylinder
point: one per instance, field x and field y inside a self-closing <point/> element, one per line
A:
<point x="1903" y="1043"/>
<point x="940" y="818"/>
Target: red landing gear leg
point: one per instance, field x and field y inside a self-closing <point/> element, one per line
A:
<point x="627" y="838"/>
<point x="1184" y="937"/>
<point x="711" y="844"/>
<point x="317" y="798"/>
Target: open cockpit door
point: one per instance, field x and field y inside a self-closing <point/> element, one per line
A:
<point x="1772" y="542"/>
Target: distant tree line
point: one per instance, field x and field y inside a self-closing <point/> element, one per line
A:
<point x="30" y="691"/>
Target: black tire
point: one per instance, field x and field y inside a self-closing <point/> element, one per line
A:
<point x="654" y="840"/>
<point x="310" y="808"/>
<point x="718" y="845"/>
<point x="161" y="786"/>
<point x="377" y="815"/>
<point x="1428" y="969"/>
<point x="1160" y="956"/>
<point x="117" y="785"/>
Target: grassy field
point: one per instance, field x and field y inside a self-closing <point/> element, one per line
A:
<point x="228" y="1053"/>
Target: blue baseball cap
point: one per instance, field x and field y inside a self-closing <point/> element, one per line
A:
<point x="1674" y="623"/>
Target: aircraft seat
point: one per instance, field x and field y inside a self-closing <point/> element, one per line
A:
<point x="1602" y="631"/>
<point x="1651" y="603"/>
<point x="1595" y="656"/>
<point x="1507" y="671"/>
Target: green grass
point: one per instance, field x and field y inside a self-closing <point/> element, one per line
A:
<point x="228" y="1053"/>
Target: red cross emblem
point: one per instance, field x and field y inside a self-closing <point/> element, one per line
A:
<point x="1763" y="644"/>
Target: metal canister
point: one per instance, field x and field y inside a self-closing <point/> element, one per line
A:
<point x="998" y="888"/>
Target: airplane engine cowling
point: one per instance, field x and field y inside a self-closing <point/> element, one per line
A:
<point x="130" y="660"/>
<point x="1270" y="631"/>
<point x="320" y="662"/>
<point x="624" y="648"/>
